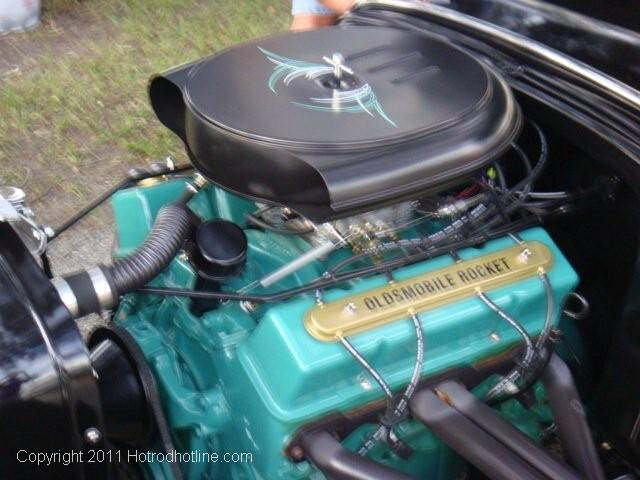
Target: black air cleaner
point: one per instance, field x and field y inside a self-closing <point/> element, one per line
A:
<point x="338" y="120"/>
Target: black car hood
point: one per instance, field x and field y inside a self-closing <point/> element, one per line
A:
<point x="602" y="34"/>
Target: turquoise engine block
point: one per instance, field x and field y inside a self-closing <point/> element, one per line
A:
<point x="236" y="380"/>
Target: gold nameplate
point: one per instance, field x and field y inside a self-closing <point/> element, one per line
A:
<point x="331" y="321"/>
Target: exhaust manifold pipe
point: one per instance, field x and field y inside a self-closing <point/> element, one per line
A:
<point x="497" y="448"/>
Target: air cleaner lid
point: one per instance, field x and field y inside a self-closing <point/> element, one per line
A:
<point x="338" y="119"/>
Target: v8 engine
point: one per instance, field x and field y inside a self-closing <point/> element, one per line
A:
<point x="290" y="363"/>
<point x="350" y="281"/>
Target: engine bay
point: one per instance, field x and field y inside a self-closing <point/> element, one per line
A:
<point x="375" y="267"/>
<point x="284" y="370"/>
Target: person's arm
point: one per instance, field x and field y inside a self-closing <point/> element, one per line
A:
<point x="338" y="6"/>
<point x="310" y="14"/>
<point x="312" y="21"/>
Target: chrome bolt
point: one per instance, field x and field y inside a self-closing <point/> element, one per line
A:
<point x="14" y="195"/>
<point x="92" y="435"/>
<point x="494" y="336"/>
<point x="48" y="231"/>
<point x="199" y="180"/>
<point x="26" y="211"/>
<point x="350" y="308"/>
<point x="365" y="383"/>
<point x="337" y="62"/>
<point x="525" y="255"/>
<point x="249" y="307"/>
<point x="319" y="298"/>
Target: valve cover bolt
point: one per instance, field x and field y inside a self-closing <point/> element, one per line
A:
<point x="350" y="308"/>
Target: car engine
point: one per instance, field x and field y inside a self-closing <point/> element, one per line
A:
<point x="350" y="281"/>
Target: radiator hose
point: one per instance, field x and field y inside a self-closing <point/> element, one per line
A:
<point x="99" y="288"/>
<point x="165" y="238"/>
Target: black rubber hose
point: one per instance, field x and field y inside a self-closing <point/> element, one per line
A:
<point x="156" y="252"/>
<point x="99" y="288"/>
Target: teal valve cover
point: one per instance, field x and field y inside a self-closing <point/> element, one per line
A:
<point x="234" y="382"/>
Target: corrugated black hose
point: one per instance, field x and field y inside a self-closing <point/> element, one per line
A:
<point x="98" y="288"/>
<point x="169" y="232"/>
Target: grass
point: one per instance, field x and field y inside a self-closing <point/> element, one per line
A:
<point x="74" y="112"/>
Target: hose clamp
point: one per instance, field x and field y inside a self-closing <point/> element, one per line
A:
<point x="65" y="292"/>
<point x="102" y="287"/>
